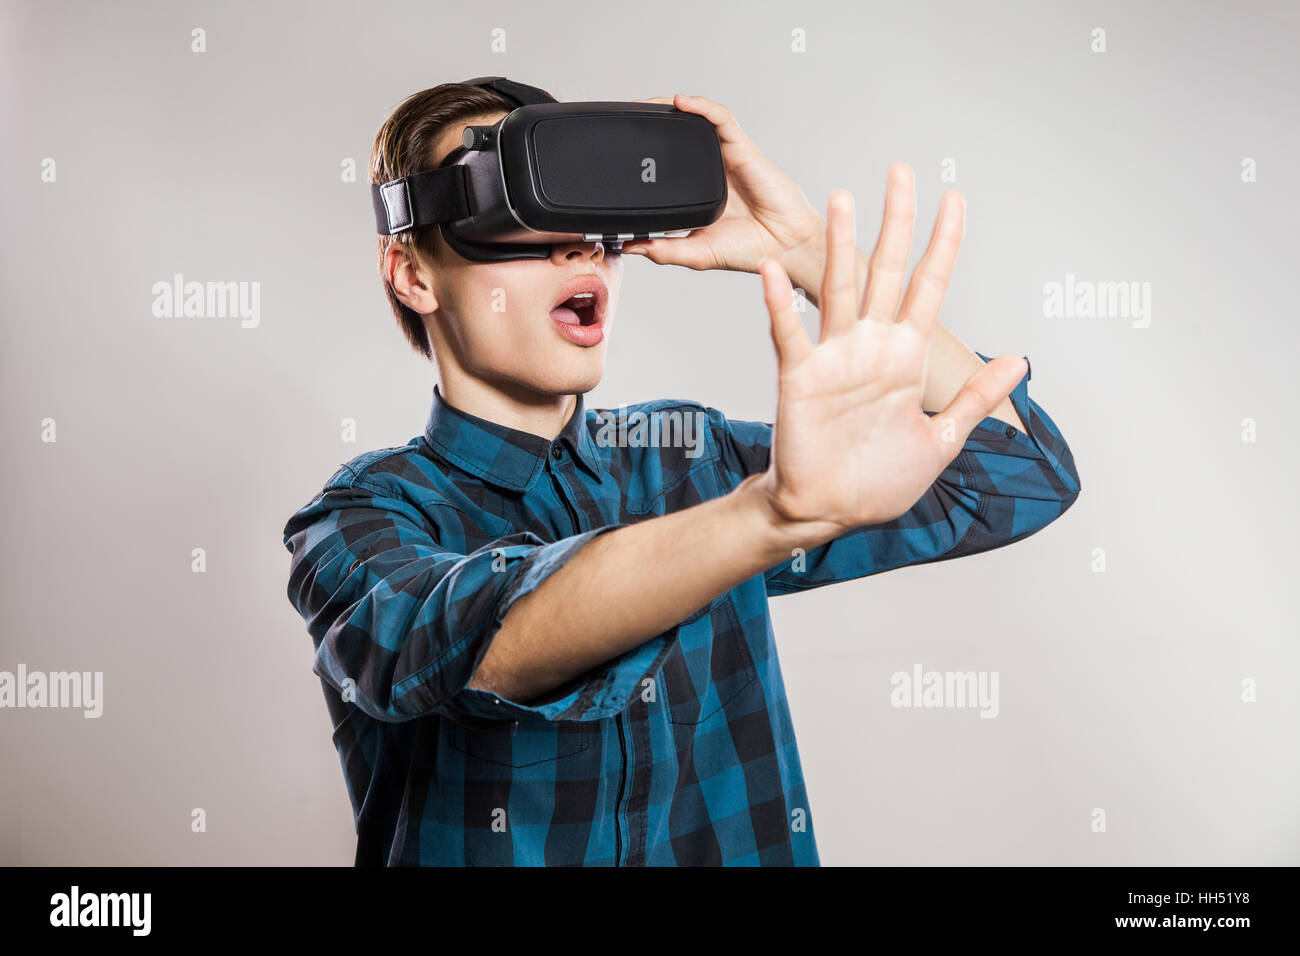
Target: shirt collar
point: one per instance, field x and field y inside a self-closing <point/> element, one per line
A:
<point x="504" y="456"/>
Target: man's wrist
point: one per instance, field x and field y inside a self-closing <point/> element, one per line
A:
<point x="805" y="264"/>
<point x="775" y="536"/>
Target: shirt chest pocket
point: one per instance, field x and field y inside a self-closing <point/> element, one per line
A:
<point x="657" y="486"/>
<point x="710" y="667"/>
<point x="527" y="742"/>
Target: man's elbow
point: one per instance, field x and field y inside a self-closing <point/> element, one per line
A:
<point x="504" y="670"/>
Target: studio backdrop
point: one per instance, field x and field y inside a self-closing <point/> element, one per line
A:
<point x="1129" y="172"/>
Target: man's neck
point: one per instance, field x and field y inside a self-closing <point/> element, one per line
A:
<point x="510" y="405"/>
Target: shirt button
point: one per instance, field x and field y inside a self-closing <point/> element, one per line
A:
<point x="557" y="452"/>
<point x="1011" y="431"/>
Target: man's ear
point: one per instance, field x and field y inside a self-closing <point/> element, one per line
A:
<point x="412" y="282"/>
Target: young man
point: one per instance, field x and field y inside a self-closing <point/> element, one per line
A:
<point x="541" y="643"/>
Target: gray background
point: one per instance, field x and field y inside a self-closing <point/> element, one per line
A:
<point x="1119" y="690"/>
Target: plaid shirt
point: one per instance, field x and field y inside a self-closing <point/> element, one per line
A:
<point x="680" y="751"/>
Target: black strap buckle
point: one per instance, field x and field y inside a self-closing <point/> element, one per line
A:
<point x="433" y="196"/>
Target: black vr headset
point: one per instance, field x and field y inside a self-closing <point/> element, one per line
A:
<point x="553" y="172"/>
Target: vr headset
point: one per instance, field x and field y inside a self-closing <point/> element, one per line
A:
<point x="552" y="172"/>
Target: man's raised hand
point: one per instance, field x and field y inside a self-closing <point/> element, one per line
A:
<point x="851" y="444"/>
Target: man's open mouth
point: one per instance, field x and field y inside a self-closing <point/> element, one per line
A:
<point x="576" y="310"/>
<point x="582" y="302"/>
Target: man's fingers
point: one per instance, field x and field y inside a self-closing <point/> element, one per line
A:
<point x="839" y="292"/>
<point x="929" y="285"/>
<point x="728" y="130"/>
<point x="788" y="334"/>
<point x="680" y="251"/>
<point x="982" y="393"/>
<point x="888" y="266"/>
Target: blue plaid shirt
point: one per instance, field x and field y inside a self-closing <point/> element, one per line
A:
<point x="680" y="751"/>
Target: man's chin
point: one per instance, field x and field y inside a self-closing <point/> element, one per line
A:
<point x="575" y="370"/>
<point x="580" y="384"/>
<point x="562" y="380"/>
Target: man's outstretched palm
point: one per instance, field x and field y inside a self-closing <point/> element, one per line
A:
<point x="851" y="444"/>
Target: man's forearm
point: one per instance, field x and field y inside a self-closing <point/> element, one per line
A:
<point x="630" y="584"/>
<point x="949" y="363"/>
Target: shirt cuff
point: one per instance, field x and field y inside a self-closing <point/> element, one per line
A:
<point x="1043" y="438"/>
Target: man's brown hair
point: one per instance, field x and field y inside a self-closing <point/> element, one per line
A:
<point x="404" y="146"/>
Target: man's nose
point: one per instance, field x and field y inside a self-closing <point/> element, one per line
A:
<point x="568" y="251"/>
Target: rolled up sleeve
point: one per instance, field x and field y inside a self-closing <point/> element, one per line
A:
<point x="401" y="622"/>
